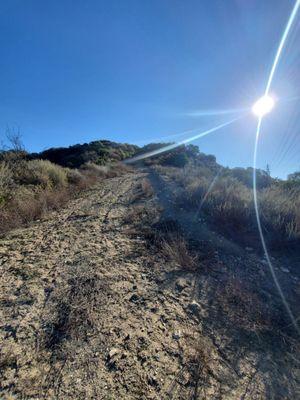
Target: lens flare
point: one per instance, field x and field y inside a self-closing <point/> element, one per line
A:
<point x="278" y="55"/>
<point x="263" y="106"/>
<point x="181" y="142"/>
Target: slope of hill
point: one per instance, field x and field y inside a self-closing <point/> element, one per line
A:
<point x="120" y="295"/>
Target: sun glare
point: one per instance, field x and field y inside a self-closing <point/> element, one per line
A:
<point x="263" y="106"/>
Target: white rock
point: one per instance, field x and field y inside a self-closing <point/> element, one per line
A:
<point x="283" y="269"/>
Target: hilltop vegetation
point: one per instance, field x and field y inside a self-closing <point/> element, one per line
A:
<point x="99" y="152"/>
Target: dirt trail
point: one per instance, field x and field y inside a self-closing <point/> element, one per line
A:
<point x="88" y="311"/>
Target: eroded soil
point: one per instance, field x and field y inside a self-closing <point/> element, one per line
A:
<point x="90" y="310"/>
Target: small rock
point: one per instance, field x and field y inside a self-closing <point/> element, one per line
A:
<point x="155" y="308"/>
<point x="113" y="352"/>
<point x="134" y="298"/>
<point x="195" y="308"/>
<point x="181" y="284"/>
<point x="153" y="381"/>
<point x="142" y="356"/>
<point x="127" y="337"/>
<point x="177" y="335"/>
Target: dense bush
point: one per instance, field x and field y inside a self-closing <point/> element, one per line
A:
<point x="98" y="152"/>
<point x="177" y="157"/>
<point x="177" y="160"/>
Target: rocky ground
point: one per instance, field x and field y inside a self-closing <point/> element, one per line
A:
<point x="90" y="309"/>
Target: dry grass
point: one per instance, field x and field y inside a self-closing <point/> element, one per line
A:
<point x="29" y="189"/>
<point x="229" y="203"/>
<point x="27" y="205"/>
<point x="73" y="309"/>
<point x="198" y="362"/>
<point x="143" y="190"/>
<point x="6" y="179"/>
<point x="147" y="188"/>
<point x="119" y="169"/>
<point x="141" y="215"/>
<point x="42" y="173"/>
<point x="280" y="212"/>
<point x="175" y="249"/>
<point x="100" y="171"/>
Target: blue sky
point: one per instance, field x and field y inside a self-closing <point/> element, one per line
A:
<point x="135" y="70"/>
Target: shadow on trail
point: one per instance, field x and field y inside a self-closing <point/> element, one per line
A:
<point x="243" y="317"/>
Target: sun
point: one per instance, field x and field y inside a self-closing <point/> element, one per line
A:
<point x="263" y="106"/>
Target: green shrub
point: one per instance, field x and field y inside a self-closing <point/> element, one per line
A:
<point x="43" y="173"/>
<point x="178" y="160"/>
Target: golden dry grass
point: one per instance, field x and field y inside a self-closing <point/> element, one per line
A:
<point x="175" y="249"/>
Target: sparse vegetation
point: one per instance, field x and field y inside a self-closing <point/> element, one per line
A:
<point x="72" y="309"/>
<point x="143" y="190"/>
<point x="242" y="305"/>
<point x="175" y="248"/>
<point x="118" y="289"/>
<point x="147" y="188"/>
<point x="229" y="202"/>
<point x="31" y="187"/>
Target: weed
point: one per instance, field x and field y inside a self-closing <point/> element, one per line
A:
<point x="175" y="249"/>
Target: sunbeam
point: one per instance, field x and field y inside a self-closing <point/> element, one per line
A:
<point x="216" y="112"/>
<point x="185" y="141"/>
<point x="258" y="130"/>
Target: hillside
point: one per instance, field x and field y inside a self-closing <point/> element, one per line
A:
<point x="121" y="296"/>
<point x="148" y="282"/>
